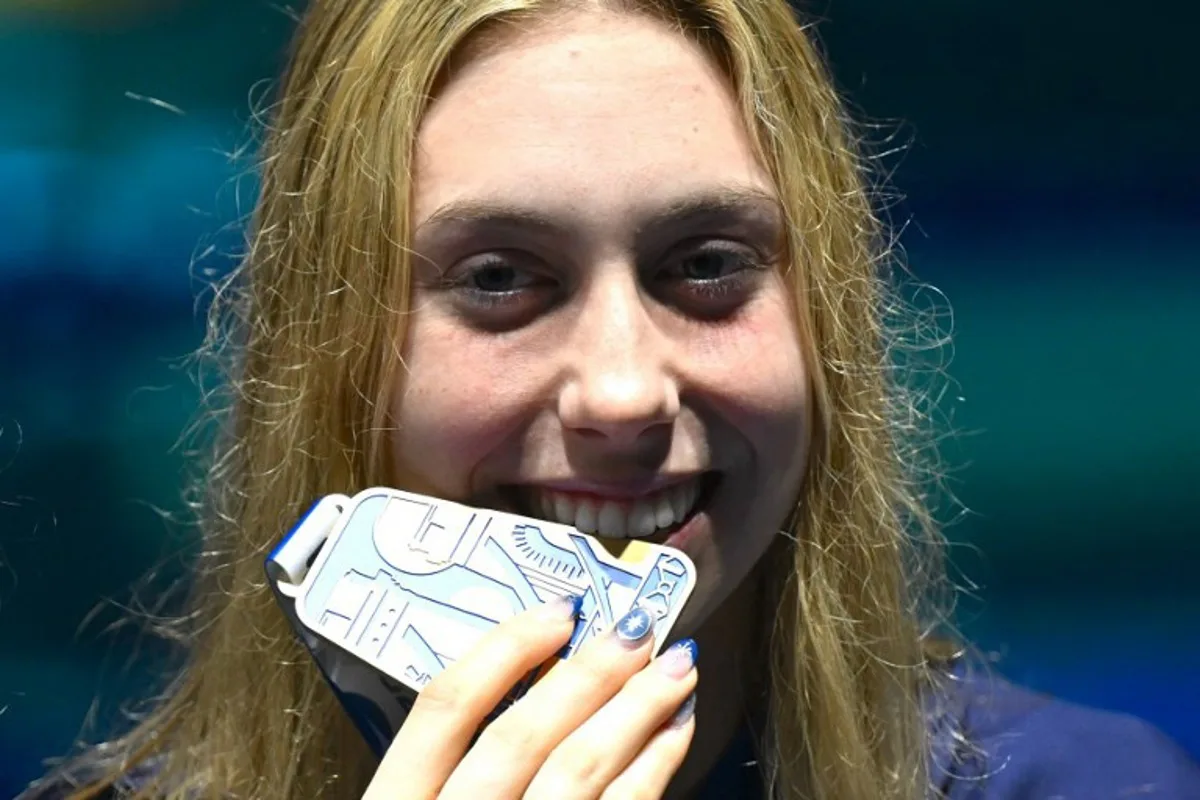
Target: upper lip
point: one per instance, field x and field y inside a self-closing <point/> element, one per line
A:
<point x="617" y="490"/>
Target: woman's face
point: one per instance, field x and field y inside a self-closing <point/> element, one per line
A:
<point x="600" y="333"/>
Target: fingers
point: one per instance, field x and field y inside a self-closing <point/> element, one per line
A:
<point x="450" y="709"/>
<point x="624" y="730"/>
<point x="512" y="749"/>
<point x="647" y="776"/>
<point x="596" y="724"/>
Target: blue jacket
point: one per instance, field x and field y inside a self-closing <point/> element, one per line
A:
<point x="996" y="741"/>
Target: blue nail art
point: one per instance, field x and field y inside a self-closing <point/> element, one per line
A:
<point x="684" y="713"/>
<point x="693" y="649"/>
<point x="576" y="601"/>
<point x="678" y="659"/>
<point x="635" y="626"/>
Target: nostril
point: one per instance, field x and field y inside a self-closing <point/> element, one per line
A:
<point x="588" y="433"/>
<point x="618" y="406"/>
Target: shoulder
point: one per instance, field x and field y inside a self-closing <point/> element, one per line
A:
<point x="1006" y="742"/>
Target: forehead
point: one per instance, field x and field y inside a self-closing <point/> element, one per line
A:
<point x="599" y="112"/>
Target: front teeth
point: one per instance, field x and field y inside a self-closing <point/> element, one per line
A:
<point x="619" y="520"/>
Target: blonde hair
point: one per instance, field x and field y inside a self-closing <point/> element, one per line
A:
<point x="308" y="334"/>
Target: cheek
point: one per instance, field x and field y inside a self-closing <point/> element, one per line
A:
<point x="757" y="371"/>
<point x="763" y="379"/>
<point x="452" y="406"/>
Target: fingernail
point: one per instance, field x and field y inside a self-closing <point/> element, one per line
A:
<point x="563" y="607"/>
<point x="633" y="628"/>
<point x="679" y="658"/>
<point x="687" y="709"/>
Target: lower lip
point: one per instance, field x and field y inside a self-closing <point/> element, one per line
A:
<point x="688" y="531"/>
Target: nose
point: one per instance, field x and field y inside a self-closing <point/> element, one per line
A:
<point x="620" y="385"/>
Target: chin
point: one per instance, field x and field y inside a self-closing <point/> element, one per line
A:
<point x="726" y="548"/>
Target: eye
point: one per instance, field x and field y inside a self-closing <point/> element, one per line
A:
<point x="712" y="260"/>
<point x="500" y="289"/>
<point x="710" y="264"/>
<point x="499" y="277"/>
<point x="712" y="277"/>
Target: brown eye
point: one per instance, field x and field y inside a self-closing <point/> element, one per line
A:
<point x="496" y="277"/>
<point x="711" y="278"/>
<point x="500" y="290"/>
<point x="710" y="260"/>
<point x="710" y="264"/>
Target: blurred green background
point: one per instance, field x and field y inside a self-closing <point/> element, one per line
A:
<point x="1052" y="193"/>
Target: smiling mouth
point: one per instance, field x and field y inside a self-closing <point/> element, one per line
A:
<point x="654" y="515"/>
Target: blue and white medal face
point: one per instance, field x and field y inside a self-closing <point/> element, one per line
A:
<point x="407" y="584"/>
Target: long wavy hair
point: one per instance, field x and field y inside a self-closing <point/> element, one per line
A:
<point x="306" y="337"/>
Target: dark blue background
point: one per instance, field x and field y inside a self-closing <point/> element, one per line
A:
<point x="1054" y="191"/>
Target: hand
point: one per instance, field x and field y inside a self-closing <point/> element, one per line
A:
<point x="603" y="724"/>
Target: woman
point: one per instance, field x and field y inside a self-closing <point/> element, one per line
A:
<point x="582" y="260"/>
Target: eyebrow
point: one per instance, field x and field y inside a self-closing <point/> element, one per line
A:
<point x="722" y="205"/>
<point x="744" y="204"/>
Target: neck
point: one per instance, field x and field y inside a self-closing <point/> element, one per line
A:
<point x="731" y="669"/>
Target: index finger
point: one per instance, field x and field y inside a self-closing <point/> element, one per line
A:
<point x="449" y="710"/>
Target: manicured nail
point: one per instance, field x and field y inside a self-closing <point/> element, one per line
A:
<point x="687" y="709"/>
<point x="633" y="628"/>
<point x="679" y="658"/>
<point x="564" y="607"/>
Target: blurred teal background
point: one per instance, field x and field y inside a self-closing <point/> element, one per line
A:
<point x="1053" y="189"/>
